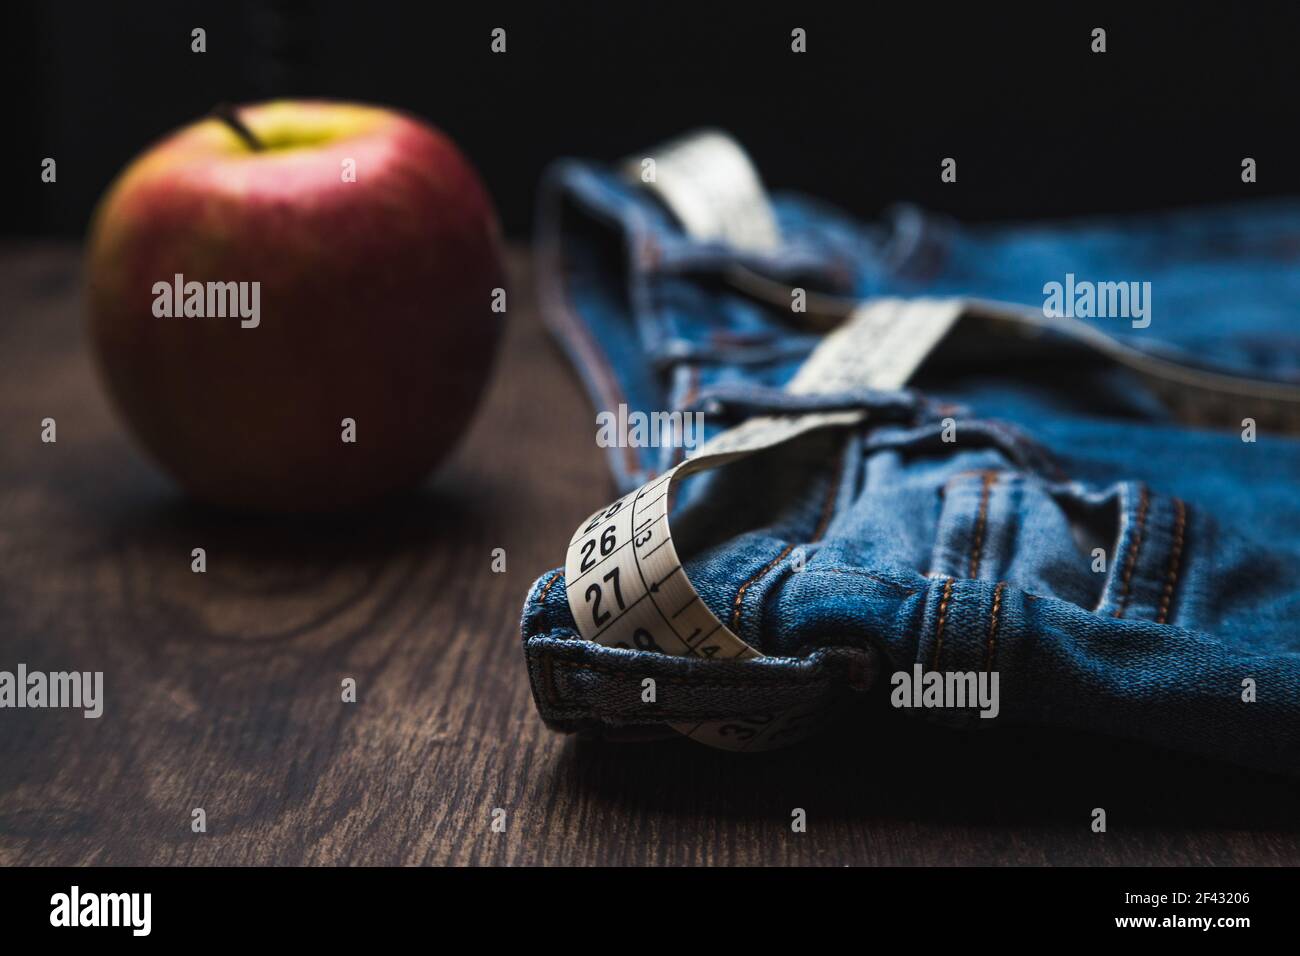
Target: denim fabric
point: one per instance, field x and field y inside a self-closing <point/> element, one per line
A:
<point x="852" y="554"/>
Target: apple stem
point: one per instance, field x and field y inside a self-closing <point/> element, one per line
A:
<point x="226" y="113"/>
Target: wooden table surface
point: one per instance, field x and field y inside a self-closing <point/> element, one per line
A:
<point x="222" y="690"/>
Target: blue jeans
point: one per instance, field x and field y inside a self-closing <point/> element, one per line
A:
<point x="1125" y="565"/>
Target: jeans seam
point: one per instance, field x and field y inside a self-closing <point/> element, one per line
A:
<point x="547" y="586"/>
<point x="1175" y="560"/>
<point x="1134" y="547"/>
<point x="992" y="644"/>
<point x="981" y="523"/>
<point x="943" y="618"/>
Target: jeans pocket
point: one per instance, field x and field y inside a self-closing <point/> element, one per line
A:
<point x="1148" y="560"/>
<point x="1047" y="538"/>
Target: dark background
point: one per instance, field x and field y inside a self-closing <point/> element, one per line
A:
<point x="1039" y="125"/>
<point x="224" y="687"/>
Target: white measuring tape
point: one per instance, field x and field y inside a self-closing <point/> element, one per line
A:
<point x="713" y="189"/>
<point x="623" y="575"/>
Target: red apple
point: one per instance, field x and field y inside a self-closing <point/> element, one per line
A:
<point x="375" y="252"/>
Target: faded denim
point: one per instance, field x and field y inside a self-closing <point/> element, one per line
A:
<point x="970" y="555"/>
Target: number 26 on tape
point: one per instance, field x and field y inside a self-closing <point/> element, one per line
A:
<point x="608" y="541"/>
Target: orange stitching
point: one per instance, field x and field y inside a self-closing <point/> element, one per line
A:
<point x="993" y="625"/>
<point x="1134" y="546"/>
<point x="827" y="508"/>
<point x="547" y="586"/>
<point x="943" y="617"/>
<point x="740" y="595"/>
<point x="986" y="482"/>
<point x="1175" y="560"/>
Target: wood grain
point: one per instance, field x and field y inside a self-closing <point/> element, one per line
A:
<point x="223" y="689"/>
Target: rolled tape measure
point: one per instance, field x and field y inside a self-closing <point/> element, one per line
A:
<point x="623" y="575"/>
